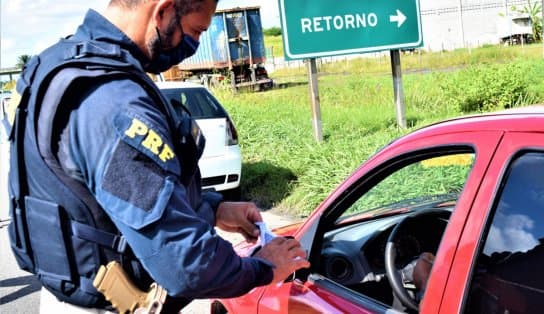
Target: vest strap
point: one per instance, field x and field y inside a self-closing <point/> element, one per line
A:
<point x="109" y="240"/>
<point x="94" y="48"/>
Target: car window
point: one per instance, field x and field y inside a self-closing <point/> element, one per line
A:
<point x="508" y="276"/>
<point x="353" y="250"/>
<point x="430" y="180"/>
<point x="198" y="101"/>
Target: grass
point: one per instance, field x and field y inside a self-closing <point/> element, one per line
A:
<point x="378" y="63"/>
<point x="286" y="169"/>
<point x="274" y="46"/>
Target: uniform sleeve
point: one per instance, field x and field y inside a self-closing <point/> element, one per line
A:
<point x="125" y="152"/>
<point x="210" y="203"/>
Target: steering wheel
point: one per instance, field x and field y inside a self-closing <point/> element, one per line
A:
<point x="393" y="275"/>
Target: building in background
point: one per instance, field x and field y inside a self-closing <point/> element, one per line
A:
<point x="452" y="24"/>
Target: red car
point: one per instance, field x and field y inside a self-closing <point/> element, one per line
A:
<point x="468" y="190"/>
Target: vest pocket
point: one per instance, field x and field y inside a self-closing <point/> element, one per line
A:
<point x="48" y="244"/>
<point x="18" y="235"/>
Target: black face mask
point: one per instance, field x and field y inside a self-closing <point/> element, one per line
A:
<point x="166" y="59"/>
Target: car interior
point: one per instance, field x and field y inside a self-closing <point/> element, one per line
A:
<point x="367" y="243"/>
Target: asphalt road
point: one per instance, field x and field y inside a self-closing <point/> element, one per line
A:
<point x="19" y="290"/>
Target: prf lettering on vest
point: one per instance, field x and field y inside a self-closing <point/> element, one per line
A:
<point x="152" y="141"/>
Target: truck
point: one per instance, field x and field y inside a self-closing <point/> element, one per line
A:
<point x="515" y="28"/>
<point x="233" y="48"/>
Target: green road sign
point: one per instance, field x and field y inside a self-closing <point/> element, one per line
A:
<point x="318" y="28"/>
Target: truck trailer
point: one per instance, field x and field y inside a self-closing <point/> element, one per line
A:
<point x="232" y="47"/>
<point x="515" y="28"/>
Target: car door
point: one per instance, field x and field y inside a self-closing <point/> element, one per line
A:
<point x="311" y="292"/>
<point x="317" y="294"/>
<point x="505" y="223"/>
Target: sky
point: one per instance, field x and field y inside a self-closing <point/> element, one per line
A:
<point x="30" y="26"/>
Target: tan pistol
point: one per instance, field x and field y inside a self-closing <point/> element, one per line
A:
<point x="125" y="297"/>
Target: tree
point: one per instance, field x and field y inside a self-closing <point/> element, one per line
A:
<point x="273" y="31"/>
<point x="22" y="60"/>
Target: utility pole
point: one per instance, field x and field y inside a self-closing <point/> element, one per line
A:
<point x="461" y="23"/>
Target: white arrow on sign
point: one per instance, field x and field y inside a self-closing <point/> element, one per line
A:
<point x="399" y="18"/>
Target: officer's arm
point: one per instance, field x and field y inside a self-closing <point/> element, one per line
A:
<point x="208" y="208"/>
<point x="128" y="160"/>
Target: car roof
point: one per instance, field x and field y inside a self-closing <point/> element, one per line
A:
<point x="521" y="119"/>
<point x="178" y="84"/>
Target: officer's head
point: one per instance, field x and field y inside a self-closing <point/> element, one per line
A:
<point x="170" y="30"/>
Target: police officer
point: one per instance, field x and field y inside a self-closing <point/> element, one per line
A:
<point x="117" y="148"/>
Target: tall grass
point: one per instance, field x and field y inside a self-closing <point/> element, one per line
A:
<point x="286" y="169"/>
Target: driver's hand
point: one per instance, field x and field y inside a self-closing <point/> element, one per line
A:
<point x="286" y="255"/>
<point x="422" y="270"/>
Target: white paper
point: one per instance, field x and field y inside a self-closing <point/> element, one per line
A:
<point x="265" y="235"/>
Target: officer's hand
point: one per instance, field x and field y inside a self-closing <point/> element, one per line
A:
<point x="239" y="217"/>
<point x="286" y="255"/>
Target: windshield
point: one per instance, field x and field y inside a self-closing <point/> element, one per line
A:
<point x="198" y="101"/>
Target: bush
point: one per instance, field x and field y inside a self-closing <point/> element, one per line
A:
<point x="273" y="31"/>
<point x="485" y="88"/>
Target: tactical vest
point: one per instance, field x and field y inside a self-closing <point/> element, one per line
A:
<point x="58" y="230"/>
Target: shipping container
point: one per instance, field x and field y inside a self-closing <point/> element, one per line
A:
<point x="515" y="28"/>
<point x="233" y="47"/>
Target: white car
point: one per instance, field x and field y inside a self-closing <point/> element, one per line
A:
<point x="221" y="162"/>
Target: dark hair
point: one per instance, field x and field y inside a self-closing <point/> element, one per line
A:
<point x="187" y="6"/>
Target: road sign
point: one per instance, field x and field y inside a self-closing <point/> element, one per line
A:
<point x="318" y="28"/>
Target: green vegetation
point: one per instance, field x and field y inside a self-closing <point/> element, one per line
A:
<point x="286" y="169"/>
<point x="419" y="60"/>
<point x="274" y="44"/>
<point x="273" y="31"/>
<point x="418" y="181"/>
<point x="22" y="60"/>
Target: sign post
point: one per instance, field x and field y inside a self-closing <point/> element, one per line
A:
<point x="320" y="28"/>
<point x="314" y="99"/>
<point x="397" y="88"/>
